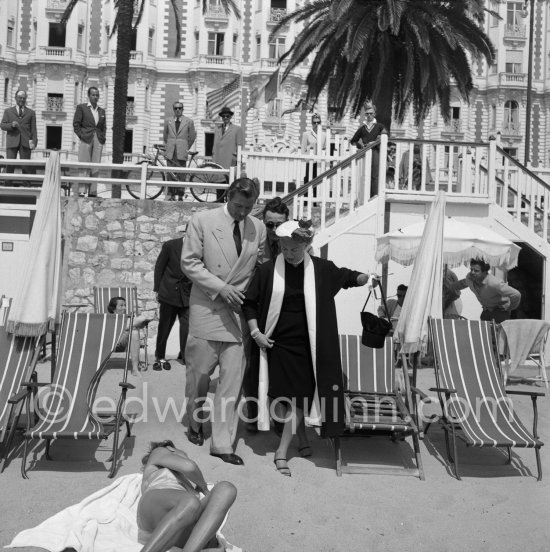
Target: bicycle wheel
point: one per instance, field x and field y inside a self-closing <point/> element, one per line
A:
<point x="208" y="195"/>
<point x="152" y="190"/>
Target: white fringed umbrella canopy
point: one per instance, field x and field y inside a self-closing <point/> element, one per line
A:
<point x="36" y="304"/>
<point x="424" y="296"/>
<point x="461" y="242"/>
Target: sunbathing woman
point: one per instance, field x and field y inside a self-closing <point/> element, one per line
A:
<point x="117" y="305"/>
<point x="171" y="511"/>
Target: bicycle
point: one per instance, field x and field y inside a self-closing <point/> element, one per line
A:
<point x="153" y="191"/>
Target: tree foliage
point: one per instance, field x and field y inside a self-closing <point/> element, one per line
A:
<point x="399" y="54"/>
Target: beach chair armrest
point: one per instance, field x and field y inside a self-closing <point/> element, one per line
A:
<point x="531" y="393"/>
<point x="442" y="390"/>
<point x="34" y="384"/>
<point x="421" y="394"/>
<point x="19" y="396"/>
<point x="126" y="385"/>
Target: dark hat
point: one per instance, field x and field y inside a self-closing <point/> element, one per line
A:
<point x="226" y="110"/>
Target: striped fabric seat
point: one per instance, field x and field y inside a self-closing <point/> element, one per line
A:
<point x="475" y="406"/>
<point x="102" y="296"/>
<point x="18" y="356"/>
<point x="373" y="402"/>
<point x="85" y="344"/>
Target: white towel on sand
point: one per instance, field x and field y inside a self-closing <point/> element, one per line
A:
<point x="105" y="521"/>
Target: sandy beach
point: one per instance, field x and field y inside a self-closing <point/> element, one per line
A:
<point x="495" y="507"/>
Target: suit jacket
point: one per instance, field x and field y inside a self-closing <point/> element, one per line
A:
<point x="363" y="135"/>
<point x="224" y="151"/>
<point x="309" y="141"/>
<point x="171" y="284"/>
<point x="209" y="259"/>
<point x="84" y="124"/>
<point x="22" y="134"/>
<point x="178" y="142"/>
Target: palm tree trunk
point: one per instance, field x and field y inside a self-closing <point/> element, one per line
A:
<point x="384" y="100"/>
<point x="122" y="68"/>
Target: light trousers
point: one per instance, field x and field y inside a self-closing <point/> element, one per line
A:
<point x="202" y="356"/>
<point x="90" y="153"/>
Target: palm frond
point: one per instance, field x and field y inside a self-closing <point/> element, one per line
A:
<point x="68" y="10"/>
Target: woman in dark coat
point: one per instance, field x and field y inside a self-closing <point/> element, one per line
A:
<point x="291" y="314"/>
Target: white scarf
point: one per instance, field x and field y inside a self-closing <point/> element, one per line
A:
<point x="274" y="309"/>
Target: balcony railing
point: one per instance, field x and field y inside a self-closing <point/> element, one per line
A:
<point x="511" y="129"/>
<point x="454" y="127"/>
<point x="276" y="14"/>
<point x="513" y="78"/>
<point x="130" y="108"/>
<point x="56" y="4"/>
<point x="54" y="104"/>
<point x="217" y="61"/>
<point x="135" y="55"/>
<point x="57" y="52"/>
<point x="515" y="31"/>
<point x="216" y="12"/>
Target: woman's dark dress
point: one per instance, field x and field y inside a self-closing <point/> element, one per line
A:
<point x="289" y="360"/>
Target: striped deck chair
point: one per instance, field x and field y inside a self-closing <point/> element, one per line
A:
<point x="373" y="402"/>
<point x="474" y="403"/>
<point x="102" y="296"/>
<point x="86" y="342"/>
<point x="18" y="357"/>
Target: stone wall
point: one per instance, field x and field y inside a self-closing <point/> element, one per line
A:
<point x="116" y="242"/>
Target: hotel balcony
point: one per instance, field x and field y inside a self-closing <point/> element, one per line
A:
<point x="215" y="63"/>
<point x="56" y="8"/>
<point x="55" y="110"/>
<point x="136" y="57"/>
<point x="515" y="34"/>
<point x="7" y="53"/>
<point x="511" y="131"/>
<point x="453" y="130"/>
<point x="55" y="53"/>
<point x="215" y="14"/>
<point x="131" y="116"/>
<point x="513" y="79"/>
<point x="275" y="16"/>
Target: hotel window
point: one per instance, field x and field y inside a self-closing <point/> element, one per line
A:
<point x="258" y="47"/>
<point x="276" y="47"/>
<point x="54" y="136"/>
<point x="76" y="93"/>
<point x="494" y="18"/>
<point x="215" y="44"/>
<point x="197" y="43"/>
<point x="106" y="40"/>
<point x="54" y="102"/>
<point x="493" y="121"/>
<point x="511" y="115"/>
<point x="80" y="39"/>
<point x="34" y="33"/>
<point x="9" y="39"/>
<point x="513" y="14"/>
<point x="6" y="89"/>
<point x="56" y="37"/>
<point x="151" y="41"/>
<point x="514" y="60"/>
<point x="235" y="45"/>
<point x="147" y="95"/>
<point x="494" y="66"/>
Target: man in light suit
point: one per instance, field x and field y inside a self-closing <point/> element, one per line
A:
<point x="219" y="254"/>
<point x="178" y="137"/>
<point x="19" y="122"/>
<point x="172" y="289"/>
<point x="89" y="124"/>
<point x="227" y="138"/>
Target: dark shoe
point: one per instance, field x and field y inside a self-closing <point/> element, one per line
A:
<point x="305" y="451"/>
<point x="179" y="356"/>
<point x="282" y="466"/>
<point x="195" y="437"/>
<point x="157" y="365"/>
<point x="278" y="428"/>
<point x="229" y="458"/>
<point x="165" y="364"/>
<point x="251" y="427"/>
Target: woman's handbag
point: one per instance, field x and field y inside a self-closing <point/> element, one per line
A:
<point x="375" y="329"/>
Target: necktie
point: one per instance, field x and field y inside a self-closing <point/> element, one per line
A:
<point x="274" y="250"/>
<point x="223" y="129"/>
<point x="237" y="237"/>
<point x="20" y="112"/>
<point x="177" y="124"/>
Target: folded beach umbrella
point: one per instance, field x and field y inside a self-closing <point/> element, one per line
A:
<point x="424" y="296"/>
<point x="36" y="303"/>
<point x="461" y="242"/>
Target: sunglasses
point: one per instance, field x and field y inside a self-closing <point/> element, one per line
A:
<point x="316" y="122"/>
<point x="226" y="116"/>
<point x="272" y="225"/>
<point x="178" y="108"/>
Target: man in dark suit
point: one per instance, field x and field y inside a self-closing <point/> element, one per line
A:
<point x="179" y="135"/>
<point x="19" y="122"/>
<point x="90" y="125"/>
<point x="172" y="289"/>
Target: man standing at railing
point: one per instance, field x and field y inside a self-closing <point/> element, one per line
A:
<point x="227" y="139"/>
<point x="367" y="133"/>
<point x="19" y="122"/>
<point x="89" y="125"/>
<point x="178" y="137"/>
<point x="313" y="139"/>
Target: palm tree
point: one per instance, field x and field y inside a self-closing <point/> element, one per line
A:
<point x="395" y="53"/>
<point x="125" y="27"/>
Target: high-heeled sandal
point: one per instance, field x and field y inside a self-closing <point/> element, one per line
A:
<point x="305" y="451"/>
<point x="283" y="470"/>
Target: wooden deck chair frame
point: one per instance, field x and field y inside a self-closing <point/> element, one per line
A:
<point x="18" y="358"/>
<point x="102" y="296"/>
<point x="86" y="342"/>
<point x="372" y="403"/>
<point x="5" y="305"/>
<point x="473" y="400"/>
